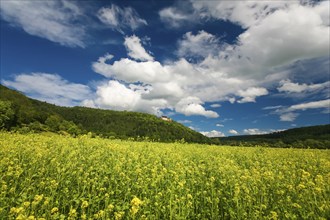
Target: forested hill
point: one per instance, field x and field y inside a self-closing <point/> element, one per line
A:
<point x="18" y="112"/>
<point x="304" y="137"/>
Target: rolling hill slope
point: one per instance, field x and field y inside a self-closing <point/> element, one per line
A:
<point x="29" y="114"/>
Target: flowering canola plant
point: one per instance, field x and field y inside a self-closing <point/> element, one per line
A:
<point x="46" y="176"/>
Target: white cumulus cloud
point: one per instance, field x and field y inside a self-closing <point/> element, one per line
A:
<point x="272" y="40"/>
<point x="192" y="106"/>
<point x="254" y="131"/>
<point x="202" y="44"/>
<point x="212" y="133"/>
<point x="233" y="132"/>
<point x="290" y="116"/>
<point x="130" y="70"/>
<point x="135" y="49"/>
<point x="251" y="94"/>
<point x="118" y="96"/>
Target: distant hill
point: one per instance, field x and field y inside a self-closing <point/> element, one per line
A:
<point x="304" y="137"/>
<point x="18" y="112"/>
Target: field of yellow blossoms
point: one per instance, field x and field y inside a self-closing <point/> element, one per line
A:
<point x="44" y="176"/>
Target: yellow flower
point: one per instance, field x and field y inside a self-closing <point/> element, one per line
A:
<point x="21" y="217"/>
<point x="111" y="207"/>
<point x="100" y="214"/>
<point x="84" y="204"/>
<point x="83" y="216"/>
<point x="134" y="210"/>
<point x="136" y="202"/>
<point x="15" y="210"/>
<point x="119" y="215"/>
<point x="301" y="186"/>
<point x="273" y="215"/>
<point x="38" y="198"/>
<point x="73" y="212"/>
<point x="305" y="174"/>
<point x="54" y="210"/>
<point x="26" y="204"/>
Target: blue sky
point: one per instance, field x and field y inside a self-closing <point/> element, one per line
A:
<point x="220" y="67"/>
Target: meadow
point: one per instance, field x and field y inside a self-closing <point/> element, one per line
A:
<point x="48" y="176"/>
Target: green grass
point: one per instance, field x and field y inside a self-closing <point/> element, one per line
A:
<point x="56" y="177"/>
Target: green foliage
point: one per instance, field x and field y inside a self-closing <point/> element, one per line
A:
<point x="6" y="114"/>
<point x="53" y="122"/>
<point x="59" y="177"/>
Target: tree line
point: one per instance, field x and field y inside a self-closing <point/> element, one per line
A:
<point x="305" y="137"/>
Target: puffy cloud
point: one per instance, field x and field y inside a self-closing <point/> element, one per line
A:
<point x="185" y="86"/>
<point x="135" y="49"/>
<point x="278" y="48"/>
<point x="118" y="96"/>
<point x="50" y="87"/>
<point x="233" y="132"/>
<point x="273" y="41"/>
<point x="290" y="87"/>
<point x="212" y="133"/>
<point x="254" y="131"/>
<point x="52" y="20"/>
<point x="250" y="94"/>
<point x="131" y="71"/>
<point x="120" y="18"/>
<point x="289" y="116"/>
<point x="202" y="44"/>
<point x="192" y="106"/>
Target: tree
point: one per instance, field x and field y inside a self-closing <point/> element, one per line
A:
<point x="7" y="114"/>
<point x="53" y="122"/>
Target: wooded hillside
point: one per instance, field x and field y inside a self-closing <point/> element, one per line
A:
<point x="25" y="114"/>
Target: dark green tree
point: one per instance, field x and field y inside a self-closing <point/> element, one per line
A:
<point x="7" y="114"/>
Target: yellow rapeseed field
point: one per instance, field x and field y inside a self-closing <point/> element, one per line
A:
<point x="56" y="177"/>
